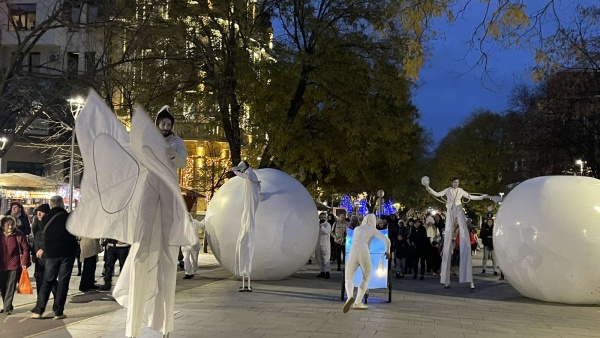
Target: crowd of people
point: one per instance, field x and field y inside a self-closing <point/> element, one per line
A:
<point x="44" y="241"/>
<point x="416" y="243"/>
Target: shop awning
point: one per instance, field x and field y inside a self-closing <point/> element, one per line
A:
<point x="22" y="181"/>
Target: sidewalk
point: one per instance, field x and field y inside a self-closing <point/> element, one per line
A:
<point x="303" y="306"/>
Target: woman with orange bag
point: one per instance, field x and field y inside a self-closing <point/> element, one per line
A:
<point x="14" y="257"/>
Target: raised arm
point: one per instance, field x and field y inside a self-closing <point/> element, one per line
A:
<point x="436" y="193"/>
<point x="179" y="154"/>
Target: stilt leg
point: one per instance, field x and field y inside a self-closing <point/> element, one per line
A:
<point x="249" y="287"/>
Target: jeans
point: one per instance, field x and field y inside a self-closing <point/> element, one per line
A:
<point x="57" y="271"/>
<point x="38" y="274"/>
<point x="340" y="254"/>
<point x="489" y="252"/>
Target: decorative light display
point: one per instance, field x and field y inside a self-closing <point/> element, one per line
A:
<point x="363" y="209"/>
<point x="388" y="208"/>
<point x="347" y="204"/>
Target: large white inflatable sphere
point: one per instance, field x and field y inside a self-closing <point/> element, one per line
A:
<point x="547" y="239"/>
<point x="286" y="225"/>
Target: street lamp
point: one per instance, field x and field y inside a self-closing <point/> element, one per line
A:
<point x="76" y="104"/>
<point x="580" y="163"/>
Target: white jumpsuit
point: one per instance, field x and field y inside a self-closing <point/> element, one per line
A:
<point x="323" y="249"/>
<point x="454" y="207"/>
<point x="191" y="252"/>
<point x="244" y="249"/>
<point x="360" y="255"/>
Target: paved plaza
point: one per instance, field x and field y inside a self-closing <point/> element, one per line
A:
<point x="303" y="306"/>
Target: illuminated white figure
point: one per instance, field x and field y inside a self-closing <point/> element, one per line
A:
<point x="244" y="250"/>
<point x="453" y="197"/>
<point x="360" y="255"/>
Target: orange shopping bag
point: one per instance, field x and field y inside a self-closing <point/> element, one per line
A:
<point x="25" y="284"/>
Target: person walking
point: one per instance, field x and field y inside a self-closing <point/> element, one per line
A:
<point x="18" y="213"/>
<point x="60" y="248"/>
<point x="14" y="257"/>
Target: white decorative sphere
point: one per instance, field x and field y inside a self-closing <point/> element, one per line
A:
<point x="286" y="225"/>
<point x="547" y="239"/>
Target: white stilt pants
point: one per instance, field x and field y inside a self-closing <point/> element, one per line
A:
<point x="323" y="253"/>
<point x="465" y="274"/>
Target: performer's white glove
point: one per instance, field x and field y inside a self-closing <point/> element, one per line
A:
<point x="496" y="199"/>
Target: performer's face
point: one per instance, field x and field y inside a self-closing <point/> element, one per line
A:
<point x="455" y="183"/>
<point x="165" y="126"/>
<point x="40" y="215"/>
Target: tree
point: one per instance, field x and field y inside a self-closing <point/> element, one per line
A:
<point x="477" y="152"/>
<point x="330" y="134"/>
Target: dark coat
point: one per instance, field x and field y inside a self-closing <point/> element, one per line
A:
<point x="58" y="242"/>
<point x="486" y="234"/>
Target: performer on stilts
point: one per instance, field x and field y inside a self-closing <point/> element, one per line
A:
<point x="453" y="196"/>
<point x="244" y="249"/>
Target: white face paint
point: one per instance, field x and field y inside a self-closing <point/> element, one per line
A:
<point x="455" y="183"/>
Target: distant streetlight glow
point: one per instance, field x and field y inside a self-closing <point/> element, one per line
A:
<point x="581" y="163"/>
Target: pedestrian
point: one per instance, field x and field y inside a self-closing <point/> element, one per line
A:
<point x="115" y="250"/>
<point x="333" y="248"/>
<point x="90" y="248"/>
<point x="339" y="235"/>
<point x="422" y="245"/>
<point x="360" y="255"/>
<point x="487" y="233"/>
<point x="18" y="213"/>
<point x="60" y="248"/>
<point x="324" y="247"/>
<point x="14" y="258"/>
<point x="38" y="243"/>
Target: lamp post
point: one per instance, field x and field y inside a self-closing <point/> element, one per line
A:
<point x="75" y="104"/>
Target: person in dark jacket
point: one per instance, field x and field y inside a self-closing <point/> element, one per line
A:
<point x="60" y="248"/>
<point x="421" y="243"/>
<point x="18" y="212"/>
<point x="486" y="234"/>
<point x="38" y="243"/>
<point x="14" y="257"/>
<point x="402" y="250"/>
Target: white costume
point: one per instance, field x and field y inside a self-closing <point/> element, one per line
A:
<point x="130" y="193"/>
<point x="360" y="255"/>
<point x="244" y="250"/>
<point x="453" y="198"/>
<point x="191" y="252"/>
<point x="324" y="247"/>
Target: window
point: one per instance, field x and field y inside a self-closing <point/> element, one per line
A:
<point x="90" y="62"/>
<point x="34" y="62"/>
<point x="72" y="64"/>
<point x="22" y="17"/>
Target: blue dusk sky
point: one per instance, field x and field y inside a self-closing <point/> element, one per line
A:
<point x="450" y="88"/>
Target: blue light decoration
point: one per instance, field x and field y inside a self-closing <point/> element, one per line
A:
<point x="379" y="264"/>
<point x="347" y="204"/>
<point x="388" y="208"/>
<point x="363" y="209"/>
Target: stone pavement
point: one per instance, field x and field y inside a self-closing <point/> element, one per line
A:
<point x="303" y="306"/>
